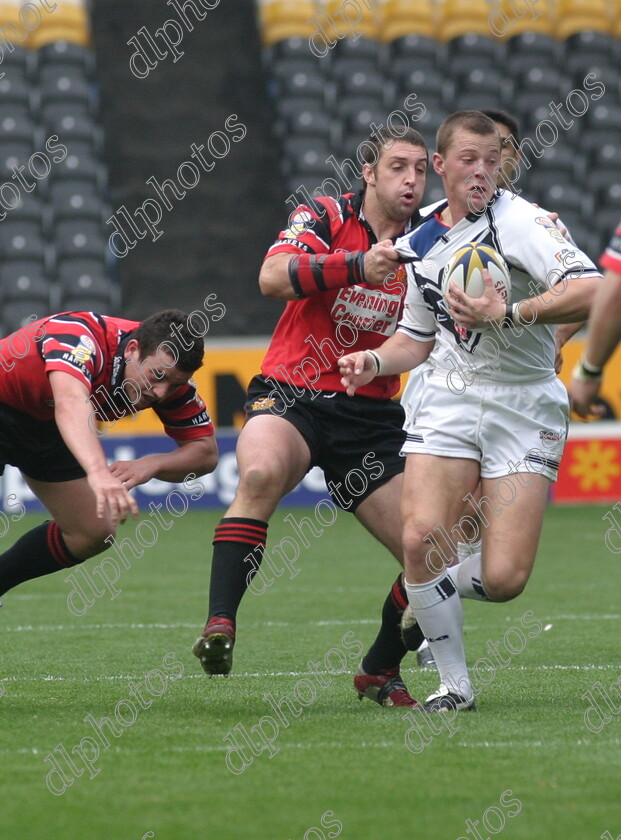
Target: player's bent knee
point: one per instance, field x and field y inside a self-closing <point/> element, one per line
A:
<point x="505" y="587"/>
<point x="261" y="481"/>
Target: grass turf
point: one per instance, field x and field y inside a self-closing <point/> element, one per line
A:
<point x="524" y="764"/>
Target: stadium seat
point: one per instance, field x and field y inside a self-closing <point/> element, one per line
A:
<point x="17" y="90"/>
<point x="608" y="155"/>
<point x="353" y="20"/>
<point x="281" y="19"/>
<point x="79" y="129"/>
<point x="19" y="314"/>
<point x="593" y="140"/>
<point x="67" y="53"/>
<point x="19" y="60"/>
<point x="539" y="19"/>
<point x="13" y="153"/>
<point x="416" y="47"/>
<point x="533" y="48"/>
<point x="369" y="48"/>
<point x="288" y="106"/>
<point x="577" y="15"/>
<point x="344" y="66"/>
<point x="16" y="126"/>
<point x="311" y="123"/>
<point x="76" y="200"/>
<point x="22" y="240"/>
<point x="588" y="41"/>
<point x="82" y="167"/>
<point x="69" y="22"/>
<point x="544" y="80"/>
<point x="401" y="18"/>
<point x="79" y="238"/>
<point x="459" y="17"/>
<point x="302" y="83"/>
<point x="52" y="113"/>
<point x="479" y="45"/>
<point x="564" y="198"/>
<point x="64" y="82"/>
<point x="84" y="279"/>
<point x="604" y="117"/>
<point x="563" y="160"/>
<point x="481" y="82"/>
<point x="606" y="220"/>
<point x="286" y="48"/>
<point x="31" y="208"/>
<point x="21" y="281"/>
<point x="429" y="123"/>
<point x="616" y="26"/>
<point x="363" y="83"/>
<point x="431" y="85"/>
<point x="306" y="154"/>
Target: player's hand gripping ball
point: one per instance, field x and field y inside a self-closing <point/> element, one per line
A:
<point x="465" y="269"/>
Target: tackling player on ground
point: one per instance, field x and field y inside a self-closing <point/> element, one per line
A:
<point x="62" y="375"/>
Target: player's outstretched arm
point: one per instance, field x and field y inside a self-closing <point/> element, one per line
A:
<point x="294" y="276"/>
<point x="197" y="457"/>
<point x="74" y="416"/>
<point x="396" y="355"/>
<point x="602" y="339"/>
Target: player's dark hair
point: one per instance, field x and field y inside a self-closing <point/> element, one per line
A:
<point x="171" y="329"/>
<point x="506" y="119"/>
<point x="384" y="139"/>
<point x="474" y="121"/>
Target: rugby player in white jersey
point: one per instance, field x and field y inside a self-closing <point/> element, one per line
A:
<point x="505" y="425"/>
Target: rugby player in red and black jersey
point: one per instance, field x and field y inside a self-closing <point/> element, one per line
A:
<point x="331" y="266"/>
<point x="59" y="376"/>
<point x="603" y="334"/>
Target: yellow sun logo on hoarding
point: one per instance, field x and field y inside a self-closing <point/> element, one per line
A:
<point x="595" y="465"/>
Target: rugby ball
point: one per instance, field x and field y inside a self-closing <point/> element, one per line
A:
<point x="465" y="269"/>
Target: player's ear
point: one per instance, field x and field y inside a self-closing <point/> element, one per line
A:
<point x="368" y="173"/>
<point x="438" y="163"/>
<point x="132" y="346"/>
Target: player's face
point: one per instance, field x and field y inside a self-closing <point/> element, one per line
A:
<point x="151" y="379"/>
<point x="398" y="179"/>
<point x="468" y="169"/>
<point x="509" y="155"/>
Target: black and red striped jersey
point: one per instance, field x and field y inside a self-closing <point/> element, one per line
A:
<point x="611" y="258"/>
<point x="90" y="347"/>
<point x="314" y="332"/>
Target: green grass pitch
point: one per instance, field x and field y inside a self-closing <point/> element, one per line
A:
<point x="525" y="764"/>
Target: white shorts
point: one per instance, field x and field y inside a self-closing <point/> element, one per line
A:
<point x="507" y="428"/>
<point x="412" y="395"/>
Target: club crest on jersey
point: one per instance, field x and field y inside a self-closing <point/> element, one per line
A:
<point x="264" y="404"/>
<point x="298" y="224"/>
<point x="85" y="350"/>
<point x="551" y="228"/>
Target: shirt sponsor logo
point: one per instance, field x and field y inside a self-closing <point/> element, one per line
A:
<point x="371" y="310"/>
<point x="547" y="435"/>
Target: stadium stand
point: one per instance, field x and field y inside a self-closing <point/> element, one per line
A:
<point x="50" y="133"/>
<point x="467" y="54"/>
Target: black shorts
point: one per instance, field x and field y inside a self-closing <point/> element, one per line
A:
<point x="35" y="447"/>
<point x="355" y="440"/>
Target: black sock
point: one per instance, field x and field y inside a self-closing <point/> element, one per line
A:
<point x="238" y="546"/>
<point x="388" y="649"/>
<point x="39" y="552"/>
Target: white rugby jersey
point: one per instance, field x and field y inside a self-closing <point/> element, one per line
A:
<point x="538" y="256"/>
